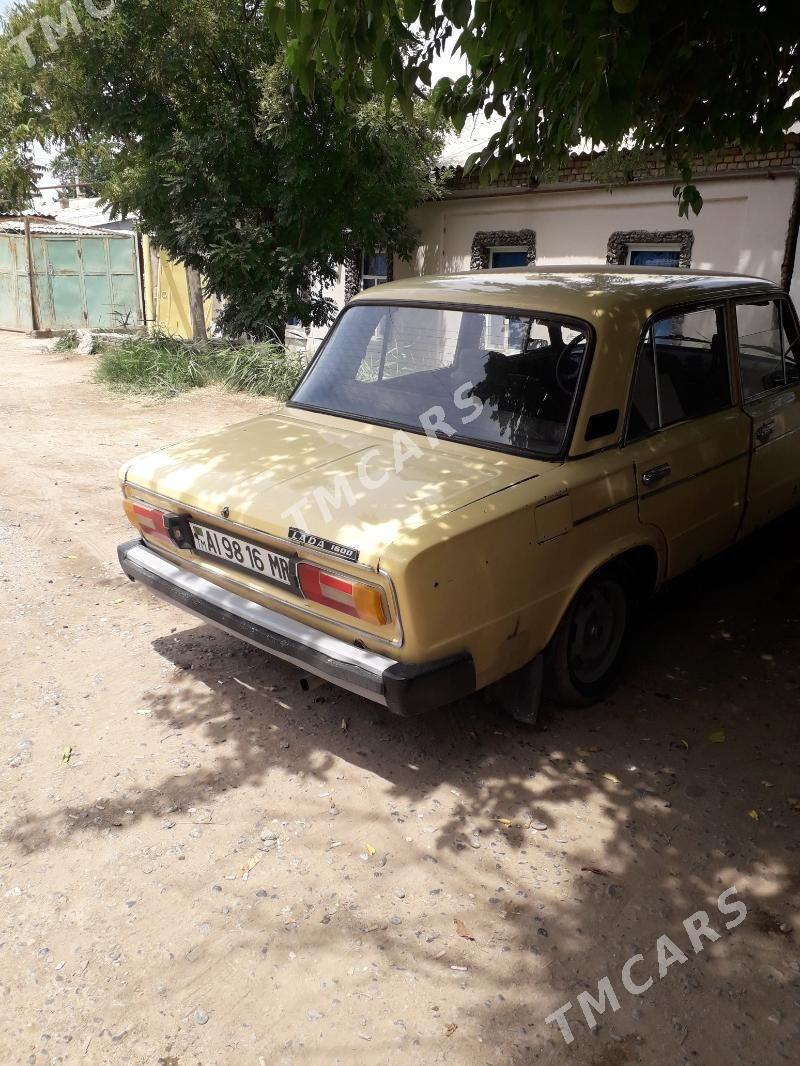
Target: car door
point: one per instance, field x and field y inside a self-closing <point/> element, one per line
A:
<point x="688" y="443"/>
<point x="769" y="365"/>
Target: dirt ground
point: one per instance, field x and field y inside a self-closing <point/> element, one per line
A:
<point x="223" y="869"/>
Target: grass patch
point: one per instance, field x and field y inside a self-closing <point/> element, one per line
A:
<point x="165" y="366"/>
<point x="263" y="369"/>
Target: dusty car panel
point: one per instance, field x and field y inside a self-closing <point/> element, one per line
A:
<point x="698" y="506"/>
<point x="773" y="477"/>
<point x="504" y="611"/>
<point x="271" y="596"/>
<point x="264" y="471"/>
<point x="618" y="436"/>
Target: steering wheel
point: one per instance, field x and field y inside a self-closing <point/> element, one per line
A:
<point x="566" y="375"/>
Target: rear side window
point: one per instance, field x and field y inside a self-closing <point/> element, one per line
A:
<point x="767" y="346"/>
<point x="682" y="370"/>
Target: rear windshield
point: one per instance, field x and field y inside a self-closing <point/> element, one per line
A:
<point x="499" y="379"/>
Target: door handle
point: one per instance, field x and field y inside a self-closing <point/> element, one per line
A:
<point x="656" y="473"/>
<point x="765" y="430"/>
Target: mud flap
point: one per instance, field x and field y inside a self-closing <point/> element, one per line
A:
<point x="520" y="693"/>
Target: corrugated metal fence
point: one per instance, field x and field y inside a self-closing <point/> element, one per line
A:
<point x="83" y="280"/>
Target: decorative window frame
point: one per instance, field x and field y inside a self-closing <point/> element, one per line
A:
<point x="620" y="241"/>
<point x="485" y="241"/>
<point x="353" y="272"/>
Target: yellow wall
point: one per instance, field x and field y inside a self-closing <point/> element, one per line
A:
<point x="170" y="313"/>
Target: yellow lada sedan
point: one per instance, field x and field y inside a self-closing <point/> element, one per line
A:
<point x="480" y="476"/>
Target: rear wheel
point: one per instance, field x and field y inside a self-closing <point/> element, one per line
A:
<point x="587" y="652"/>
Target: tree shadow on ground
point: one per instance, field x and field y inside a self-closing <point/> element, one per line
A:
<point x="655" y="802"/>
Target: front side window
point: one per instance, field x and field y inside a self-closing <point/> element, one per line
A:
<point x="682" y="370"/>
<point x="767" y="346"/>
<point x="507" y="380"/>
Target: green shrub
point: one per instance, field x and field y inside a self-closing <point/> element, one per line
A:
<point x="165" y="366"/>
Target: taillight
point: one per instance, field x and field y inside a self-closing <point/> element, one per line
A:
<point x="341" y="593"/>
<point x="148" y="520"/>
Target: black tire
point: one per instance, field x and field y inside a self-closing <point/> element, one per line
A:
<point x="587" y="653"/>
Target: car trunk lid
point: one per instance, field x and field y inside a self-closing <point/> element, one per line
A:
<point x="359" y="485"/>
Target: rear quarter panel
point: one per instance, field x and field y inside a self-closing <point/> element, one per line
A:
<point x="495" y="578"/>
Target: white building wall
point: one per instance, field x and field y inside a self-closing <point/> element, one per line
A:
<point x="794" y="288"/>
<point x="742" y="226"/>
<point x="312" y="340"/>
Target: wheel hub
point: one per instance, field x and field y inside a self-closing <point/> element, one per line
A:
<point x="597" y="632"/>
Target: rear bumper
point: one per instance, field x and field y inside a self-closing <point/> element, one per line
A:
<point x="404" y="688"/>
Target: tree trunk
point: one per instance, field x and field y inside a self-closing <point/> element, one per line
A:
<point x="31" y="277"/>
<point x="197" y="315"/>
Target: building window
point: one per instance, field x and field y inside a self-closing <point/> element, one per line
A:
<point x="496" y="249"/>
<point x="501" y="258"/>
<point x="374" y="269"/>
<point x="654" y="255"/>
<point x="655" y="248"/>
<point x="363" y="270"/>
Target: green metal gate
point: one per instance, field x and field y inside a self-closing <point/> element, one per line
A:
<point x="15" y="289"/>
<point x="81" y="281"/>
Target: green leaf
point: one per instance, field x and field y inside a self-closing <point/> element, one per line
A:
<point x="295" y="54"/>
<point x="471" y="161"/>
<point x="458" y="119"/>
<point x="406" y="106"/>
<point x="305" y="78"/>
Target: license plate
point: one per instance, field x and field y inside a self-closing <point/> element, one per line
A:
<point x="244" y="554"/>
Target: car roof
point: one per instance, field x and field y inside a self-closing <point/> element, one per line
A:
<point x="579" y="291"/>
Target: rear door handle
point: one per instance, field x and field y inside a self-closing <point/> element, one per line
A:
<point x="656" y="473"/>
<point x="765" y="430"/>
